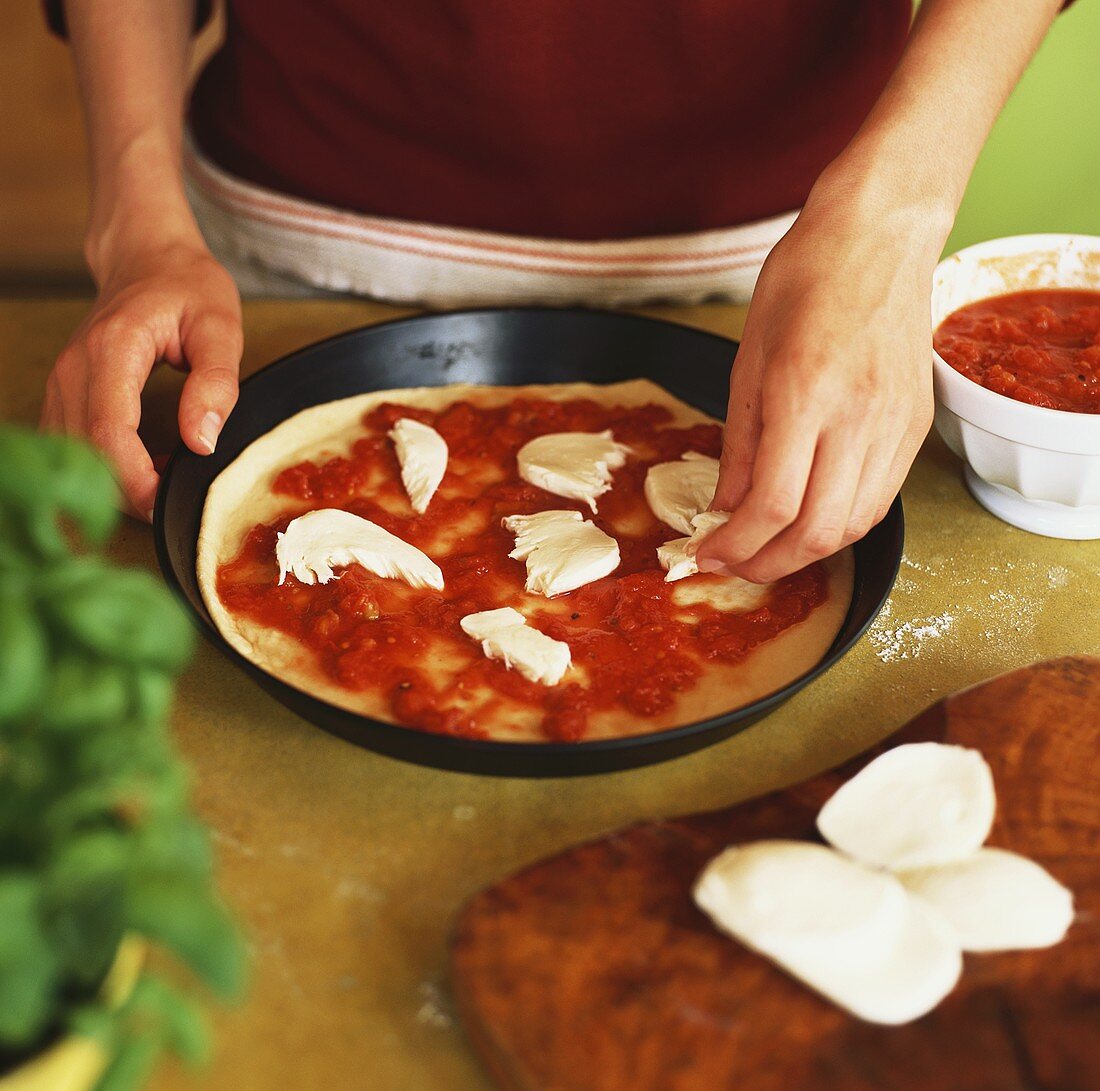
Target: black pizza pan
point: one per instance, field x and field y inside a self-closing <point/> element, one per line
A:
<point x="501" y="347"/>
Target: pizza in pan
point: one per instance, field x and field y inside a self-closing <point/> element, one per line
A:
<point x="508" y="563"/>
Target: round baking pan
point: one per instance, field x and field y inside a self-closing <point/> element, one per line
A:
<point x="512" y="346"/>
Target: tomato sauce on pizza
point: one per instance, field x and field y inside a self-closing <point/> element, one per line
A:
<point x="634" y="648"/>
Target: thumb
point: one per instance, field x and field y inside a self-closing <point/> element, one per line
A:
<point x="741" y="435"/>
<point x="212" y="346"/>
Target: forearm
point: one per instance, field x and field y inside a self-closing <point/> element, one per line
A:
<point x="131" y="62"/>
<point x="913" y="156"/>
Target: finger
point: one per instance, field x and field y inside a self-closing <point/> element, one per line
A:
<point x="212" y="345"/>
<point x="780" y="472"/>
<point x="884" y="473"/>
<point x="741" y="435"/>
<point x="51" y="418"/>
<point x="118" y="370"/>
<point x="822" y="524"/>
<point x="878" y="485"/>
<point x="67" y="391"/>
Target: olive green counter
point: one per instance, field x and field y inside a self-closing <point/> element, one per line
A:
<point x="347" y="868"/>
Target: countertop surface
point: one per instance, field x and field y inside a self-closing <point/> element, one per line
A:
<point x="347" y="869"/>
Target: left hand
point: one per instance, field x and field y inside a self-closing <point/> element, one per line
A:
<point x="830" y="395"/>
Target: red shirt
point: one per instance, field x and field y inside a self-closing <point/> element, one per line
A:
<point x="577" y="119"/>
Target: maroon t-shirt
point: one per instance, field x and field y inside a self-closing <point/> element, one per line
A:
<point x="577" y="119"/>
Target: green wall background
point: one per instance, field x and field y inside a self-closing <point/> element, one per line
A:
<point x="1040" y="170"/>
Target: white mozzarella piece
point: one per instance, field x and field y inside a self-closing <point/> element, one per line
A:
<point x="676" y="492"/>
<point x="576" y="465"/>
<point x="995" y="900"/>
<point x="912" y="976"/>
<point x="505" y="635"/>
<point x="422" y="453"/>
<point x="562" y="549"/>
<point x="916" y="805"/>
<point x="319" y="541"/>
<point x="674" y="558"/>
<point x="847" y="931"/>
<point x="677" y="557"/>
<point x="747" y="889"/>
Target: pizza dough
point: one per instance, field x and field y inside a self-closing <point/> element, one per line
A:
<point x="241" y="498"/>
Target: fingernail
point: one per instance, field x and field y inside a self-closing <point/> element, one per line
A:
<point x="712" y="565"/>
<point x="149" y="516"/>
<point x="208" y="431"/>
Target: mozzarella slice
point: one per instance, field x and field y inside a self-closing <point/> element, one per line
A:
<point x="674" y="558"/>
<point x="562" y="549"/>
<point x="576" y="465"/>
<point x="676" y="492"/>
<point x="995" y="900"/>
<point x="916" y="805"/>
<point x="505" y="635"/>
<point x="315" y="543"/>
<point x="747" y="889"/>
<point x="847" y="931"/>
<point x="422" y="452"/>
<point x="677" y="557"/>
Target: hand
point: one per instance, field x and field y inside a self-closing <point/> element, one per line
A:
<point x="175" y="304"/>
<point x="830" y="395"/>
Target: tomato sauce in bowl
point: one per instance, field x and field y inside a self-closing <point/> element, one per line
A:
<point x="1040" y="346"/>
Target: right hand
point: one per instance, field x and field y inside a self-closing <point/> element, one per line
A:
<point x="175" y="304"/>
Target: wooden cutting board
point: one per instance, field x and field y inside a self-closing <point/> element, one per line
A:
<point x="594" y="970"/>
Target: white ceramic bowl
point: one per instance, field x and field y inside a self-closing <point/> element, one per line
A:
<point x="1036" y="468"/>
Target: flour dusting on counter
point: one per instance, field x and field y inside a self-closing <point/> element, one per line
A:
<point x="1057" y="576"/>
<point x="917" y="566"/>
<point x="434" y="1011"/>
<point x="352" y="889"/>
<point x="226" y="840"/>
<point x="906" y="641"/>
<point x="993" y="605"/>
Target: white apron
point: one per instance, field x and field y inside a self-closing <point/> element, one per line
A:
<point x="277" y="245"/>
